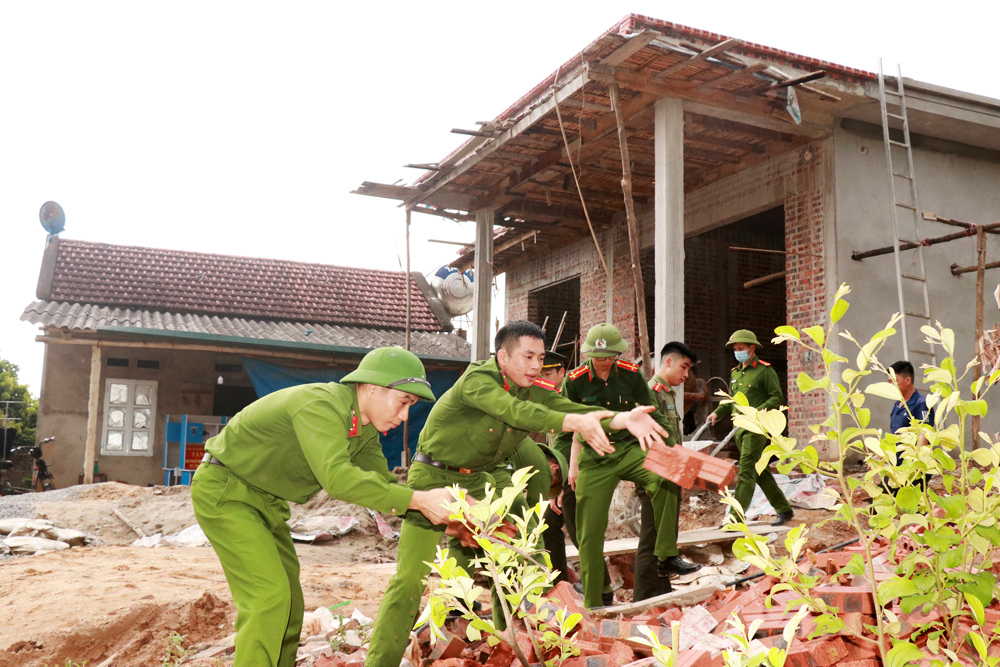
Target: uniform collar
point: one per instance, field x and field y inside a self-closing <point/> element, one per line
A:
<point x="501" y="377"/>
<point x="660" y="381"/>
<point x="593" y="373"/>
<point x="354" y="423"/>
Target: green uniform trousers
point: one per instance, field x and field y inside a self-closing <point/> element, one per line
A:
<point x="418" y="541"/>
<point x="595" y="486"/>
<point x="248" y="530"/>
<point x="647" y="583"/>
<point x="555" y="542"/>
<point x="529" y="455"/>
<point x="751" y="446"/>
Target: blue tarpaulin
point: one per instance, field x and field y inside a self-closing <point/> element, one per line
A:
<point x="267" y="378"/>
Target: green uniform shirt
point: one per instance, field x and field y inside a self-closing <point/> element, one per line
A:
<point x="758" y="382"/>
<point x="624" y="389"/>
<point x="666" y="402"/>
<point x="296" y="441"/>
<point x="483" y="418"/>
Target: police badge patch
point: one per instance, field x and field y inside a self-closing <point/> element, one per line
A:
<point x="600" y="344"/>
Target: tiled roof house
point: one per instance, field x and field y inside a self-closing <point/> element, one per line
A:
<point x="185" y="327"/>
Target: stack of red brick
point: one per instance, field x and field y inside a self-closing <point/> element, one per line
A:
<point x="614" y="642"/>
<point x="687" y="468"/>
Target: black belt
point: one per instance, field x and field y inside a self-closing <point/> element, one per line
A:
<point x="420" y="457"/>
<point x="208" y="458"/>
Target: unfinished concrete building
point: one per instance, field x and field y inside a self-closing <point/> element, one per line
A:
<point x="756" y="175"/>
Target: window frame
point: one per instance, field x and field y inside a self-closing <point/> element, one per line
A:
<point x="128" y="428"/>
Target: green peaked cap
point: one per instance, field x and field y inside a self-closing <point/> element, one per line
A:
<point x="395" y="368"/>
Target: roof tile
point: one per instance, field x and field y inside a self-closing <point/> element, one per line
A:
<point x="210" y="284"/>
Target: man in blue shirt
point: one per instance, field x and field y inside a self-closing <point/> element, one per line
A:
<point x="914" y="405"/>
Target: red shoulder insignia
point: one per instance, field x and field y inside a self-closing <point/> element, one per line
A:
<point x="577" y="372"/>
<point x="544" y="384"/>
<point x="763" y="362"/>
<point x="627" y="366"/>
<point x="658" y="387"/>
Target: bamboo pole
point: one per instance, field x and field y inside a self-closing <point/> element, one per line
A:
<point x="562" y="323"/>
<point x="858" y="256"/>
<point x="406" y="424"/>
<point x="977" y="370"/>
<point x="633" y="234"/>
<point x="92" y="404"/>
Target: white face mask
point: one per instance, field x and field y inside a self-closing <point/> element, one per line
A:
<point x="742" y="356"/>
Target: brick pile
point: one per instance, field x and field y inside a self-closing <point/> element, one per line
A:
<point x="613" y="642"/>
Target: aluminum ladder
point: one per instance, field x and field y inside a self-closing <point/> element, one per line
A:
<point x="904" y="204"/>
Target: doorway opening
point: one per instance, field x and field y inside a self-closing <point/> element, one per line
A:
<point x="556" y="302"/>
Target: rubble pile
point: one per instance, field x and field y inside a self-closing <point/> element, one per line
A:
<point x="611" y="637"/>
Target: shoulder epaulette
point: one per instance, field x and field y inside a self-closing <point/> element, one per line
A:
<point x="734" y="368"/>
<point x="658" y="387"/>
<point x="577" y="372"/>
<point x="763" y="362"/>
<point x="627" y="366"/>
<point x="544" y="384"/>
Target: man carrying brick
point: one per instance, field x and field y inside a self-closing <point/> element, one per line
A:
<point x="607" y="382"/>
<point x="676" y="360"/>
<point x="286" y="447"/>
<point x="759" y="383"/>
<point x="470" y="430"/>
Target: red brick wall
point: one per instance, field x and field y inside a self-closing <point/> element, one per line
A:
<point x="795" y="180"/>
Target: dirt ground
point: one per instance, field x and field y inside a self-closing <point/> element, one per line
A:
<point x="112" y="600"/>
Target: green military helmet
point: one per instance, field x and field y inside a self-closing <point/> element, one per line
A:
<point x="743" y="336"/>
<point x="604" y="340"/>
<point x="556" y="455"/>
<point x="395" y="368"/>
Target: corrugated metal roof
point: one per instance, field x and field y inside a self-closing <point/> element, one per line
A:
<point x="88" y="317"/>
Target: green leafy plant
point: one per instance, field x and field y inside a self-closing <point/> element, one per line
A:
<point x="519" y="570"/>
<point x="942" y="547"/>
<point x="175" y="651"/>
<point x="744" y="655"/>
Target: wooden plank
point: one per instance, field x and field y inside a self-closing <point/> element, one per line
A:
<point x="587" y="105"/>
<point x="764" y="120"/>
<point x="539" y="112"/>
<point x="684" y="538"/>
<point x="707" y="53"/>
<point x="721" y="125"/>
<point x="714" y="156"/>
<point x="732" y="76"/>
<point x="631" y="46"/>
<point x="603" y="128"/>
<point x="404" y="192"/>
<point x="679" y="598"/>
<point x="756" y="108"/>
<point x="483" y="285"/>
<point x="638" y="284"/>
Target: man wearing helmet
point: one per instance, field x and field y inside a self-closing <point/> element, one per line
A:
<point x="473" y="427"/>
<point x="607" y="381"/>
<point x="285" y="447"/>
<point x="759" y="383"/>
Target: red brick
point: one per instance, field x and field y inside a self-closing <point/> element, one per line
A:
<point x="847" y="598"/>
<point x="620" y="654"/>
<point x="868" y="662"/>
<point x="448" y="647"/>
<point x="588" y="661"/>
<point x="817" y="653"/>
<point x="455" y="662"/>
<point x="694" y="658"/>
<point x="566" y="595"/>
<point x="501" y="656"/>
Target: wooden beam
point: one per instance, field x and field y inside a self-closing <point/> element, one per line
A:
<point x="732" y="144"/>
<point x="602" y="129"/>
<point x="749" y="70"/>
<point x="632" y="45"/>
<point x="93" y="404"/>
<point x="443" y="213"/>
<point x="712" y="156"/>
<point x="587" y="105"/>
<point x="473" y="133"/>
<point x="756" y="108"/>
<point x="528" y="209"/>
<point x="406" y="192"/>
<point x="482" y="285"/>
<point x="760" y="118"/>
<point x="713" y="123"/>
<point x="638" y="284"/>
<point x="698" y="57"/>
<point x="536" y="114"/>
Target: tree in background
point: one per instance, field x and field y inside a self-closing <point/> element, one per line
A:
<point x="21" y="432"/>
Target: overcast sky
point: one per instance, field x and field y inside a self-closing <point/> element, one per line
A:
<point x="241" y="127"/>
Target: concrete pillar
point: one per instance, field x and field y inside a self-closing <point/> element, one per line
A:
<point x="93" y="405"/>
<point x="482" y="297"/>
<point x="668" y="242"/>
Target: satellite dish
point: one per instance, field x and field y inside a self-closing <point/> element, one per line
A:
<point x="454" y="289"/>
<point x="53" y="217"/>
